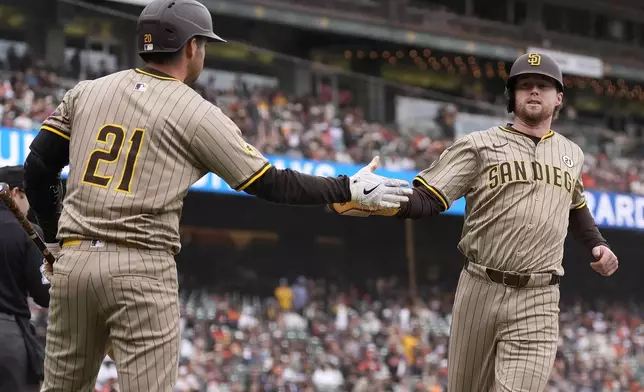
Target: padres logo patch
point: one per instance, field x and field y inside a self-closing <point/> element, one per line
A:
<point x="568" y="161"/>
<point x="249" y="149"/>
<point x="534" y="59"/>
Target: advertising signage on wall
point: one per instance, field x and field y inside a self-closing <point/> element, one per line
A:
<point x="611" y="210"/>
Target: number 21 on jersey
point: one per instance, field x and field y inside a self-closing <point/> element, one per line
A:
<point x="113" y="137"/>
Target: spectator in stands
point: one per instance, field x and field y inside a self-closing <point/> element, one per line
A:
<point x="327" y="378"/>
<point x="284" y="295"/>
<point x="446" y="120"/>
<point x="300" y="294"/>
<point x="13" y="60"/>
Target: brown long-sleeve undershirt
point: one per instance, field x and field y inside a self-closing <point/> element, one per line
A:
<point x="286" y="186"/>
<point x="582" y="227"/>
<point x="423" y="203"/>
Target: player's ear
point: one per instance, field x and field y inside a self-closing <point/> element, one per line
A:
<point x="559" y="99"/>
<point x="191" y="48"/>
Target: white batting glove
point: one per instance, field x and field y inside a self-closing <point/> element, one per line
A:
<point x="372" y="190"/>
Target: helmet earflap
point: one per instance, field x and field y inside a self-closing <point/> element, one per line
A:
<point x="509" y="96"/>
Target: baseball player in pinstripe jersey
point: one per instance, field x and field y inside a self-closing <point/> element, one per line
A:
<point x="135" y="141"/>
<point x="523" y="190"/>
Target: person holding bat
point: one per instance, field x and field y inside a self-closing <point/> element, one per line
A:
<point x="22" y="355"/>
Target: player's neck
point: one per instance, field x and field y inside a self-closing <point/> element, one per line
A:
<point x="170" y="70"/>
<point x="538" y="130"/>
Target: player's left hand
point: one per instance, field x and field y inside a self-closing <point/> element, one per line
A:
<point x="606" y="263"/>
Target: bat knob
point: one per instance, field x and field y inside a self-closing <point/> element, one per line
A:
<point x="4" y="187"/>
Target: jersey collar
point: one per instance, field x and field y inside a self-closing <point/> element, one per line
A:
<point x="509" y="128"/>
<point x="149" y="71"/>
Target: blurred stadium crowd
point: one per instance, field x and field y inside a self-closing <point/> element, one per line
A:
<point x="315" y="336"/>
<point x="311" y="127"/>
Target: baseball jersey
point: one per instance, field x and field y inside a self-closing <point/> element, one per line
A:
<point x="138" y="139"/>
<point x="518" y="196"/>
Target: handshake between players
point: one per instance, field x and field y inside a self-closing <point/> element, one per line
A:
<point x="372" y="194"/>
<point x="371" y="191"/>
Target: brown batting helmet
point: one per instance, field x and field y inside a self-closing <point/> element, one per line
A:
<point x="165" y="26"/>
<point x="532" y="63"/>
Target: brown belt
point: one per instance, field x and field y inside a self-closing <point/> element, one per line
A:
<point x="513" y="279"/>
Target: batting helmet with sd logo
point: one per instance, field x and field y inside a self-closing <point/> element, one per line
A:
<point x="532" y="63"/>
<point x="165" y="26"/>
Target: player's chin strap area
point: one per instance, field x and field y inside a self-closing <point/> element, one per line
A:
<point x="511" y="279"/>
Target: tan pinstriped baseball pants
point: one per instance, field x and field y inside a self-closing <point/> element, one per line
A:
<point x="502" y="339"/>
<point x="126" y="295"/>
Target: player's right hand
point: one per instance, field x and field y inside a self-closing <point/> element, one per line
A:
<point x="606" y="263"/>
<point x="48" y="269"/>
<point x="372" y="190"/>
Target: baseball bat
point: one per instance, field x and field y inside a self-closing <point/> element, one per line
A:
<point x="6" y="198"/>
